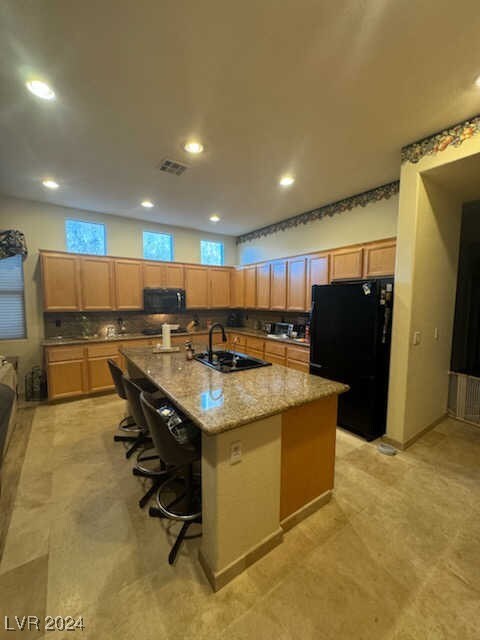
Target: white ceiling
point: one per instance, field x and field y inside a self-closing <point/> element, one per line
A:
<point x="329" y="90"/>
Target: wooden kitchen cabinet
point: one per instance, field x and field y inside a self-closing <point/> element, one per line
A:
<point x="219" y="288"/>
<point x="99" y="377"/>
<point x="159" y="275"/>
<point x="174" y="276"/>
<point x="96" y="281"/>
<point x="66" y="372"/>
<point x="379" y="260"/>
<point x="237" y="288"/>
<point x="278" y="285"/>
<point x="275" y="352"/>
<point x="298" y="358"/>
<point x="297" y="284"/>
<point x="317" y="272"/>
<point x="128" y="285"/>
<point x="60" y="280"/>
<point x="263" y="286"/>
<point x="196" y="287"/>
<point x="346" y="264"/>
<point x="250" y="275"/>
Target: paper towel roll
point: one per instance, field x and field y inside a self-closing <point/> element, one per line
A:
<point x="166" y="342"/>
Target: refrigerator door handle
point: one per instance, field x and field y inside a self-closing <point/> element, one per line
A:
<point x="316" y="366"/>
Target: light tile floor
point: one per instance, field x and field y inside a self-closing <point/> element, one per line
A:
<point x="395" y="555"/>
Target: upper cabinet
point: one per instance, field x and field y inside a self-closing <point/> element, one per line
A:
<point x="250" y="274"/>
<point x="128" y="284"/>
<point x="278" y="287"/>
<point x="296" y="284"/>
<point x="346" y="264"/>
<point x="237" y="288"/>
<point x="158" y="275"/>
<point x="60" y="277"/>
<point x="317" y="272"/>
<point x="196" y="287"/>
<point x="263" y="286"/>
<point x="379" y="259"/>
<point x="96" y="282"/>
<point x="219" y="287"/>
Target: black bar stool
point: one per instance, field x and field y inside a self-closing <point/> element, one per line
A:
<point x="178" y="444"/>
<point x="127" y="423"/>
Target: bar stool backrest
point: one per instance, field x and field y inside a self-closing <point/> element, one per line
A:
<point x="168" y="448"/>
<point x="117" y="375"/>
<point x="132" y="392"/>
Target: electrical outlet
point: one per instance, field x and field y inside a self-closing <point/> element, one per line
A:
<point x="417" y="337"/>
<point x="235" y="452"/>
<point x="436" y="334"/>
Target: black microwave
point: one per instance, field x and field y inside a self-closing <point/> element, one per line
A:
<point x="163" y="300"/>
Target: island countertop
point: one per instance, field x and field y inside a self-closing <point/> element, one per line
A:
<point x="218" y="402"/>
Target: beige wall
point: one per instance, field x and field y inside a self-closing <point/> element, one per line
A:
<point x="426" y="275"/>
<point x="362" y="224"/>
<point x="44" y="228"/>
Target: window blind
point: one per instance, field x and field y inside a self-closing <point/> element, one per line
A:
<point x="12" y="308"/>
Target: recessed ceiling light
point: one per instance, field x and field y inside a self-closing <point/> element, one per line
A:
<point x="214" y="218"/>
<point x="40" y="89"/>
<point x="193" y="147"/>
<point x="50" y="184"/>
<point x="477" y="82"/>
<point x="148" y="204"/>
<point x="286" y="181"/>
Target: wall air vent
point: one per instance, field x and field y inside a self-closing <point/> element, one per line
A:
<point x="173" y="166"/>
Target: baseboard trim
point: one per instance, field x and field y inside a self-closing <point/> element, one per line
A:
<point x="219" y="579"/>
<point x="297" y="516"/>
<point x="404" y="445"/>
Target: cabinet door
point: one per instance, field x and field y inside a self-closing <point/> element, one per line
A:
<point x="219" y="283"/>
<point x="60" y="277"/>
<point x="66" y="379"/>
<point x="99" y="376"/>
<point x="296" y="284"/>
<point x="250" y="275"/>
<point x="379" y="260"/>
<point x="154" y="276"/>
<point x="263" y="286"/>
<point x="96" y="277"/>
<point x="128" y="284"/>
<point x="278" y="290"/>
<point x="196" y="287"/>
<point x="238" y="288"/>
<point x="317" y="267"/>
<point x="174" y="276"/>
<point x="347" y="265"/>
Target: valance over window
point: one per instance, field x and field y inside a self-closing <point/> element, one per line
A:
<point x="12" y="243"/>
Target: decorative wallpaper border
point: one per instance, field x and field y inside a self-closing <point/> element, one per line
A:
<point x="451" y="137"/>
<point x="384" y="192"/>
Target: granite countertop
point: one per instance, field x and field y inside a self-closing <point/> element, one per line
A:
<point x="51" y="342"/>
<point x="218" y="402"/>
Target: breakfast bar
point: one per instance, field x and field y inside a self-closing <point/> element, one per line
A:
<point x="268" y="450"/>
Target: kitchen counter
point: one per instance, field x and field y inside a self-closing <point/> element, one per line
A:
<point x="217" y="401"/>
<point x="51" y="342"/>
<point x="268" y="451"/>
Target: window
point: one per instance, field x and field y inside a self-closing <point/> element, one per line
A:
<point x="211" y="252"/>
<point x="12" y="309"/>
<point x="157" y="246"/>
<point x="85" y="237"/>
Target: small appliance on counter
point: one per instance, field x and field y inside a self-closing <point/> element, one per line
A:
<point x="269" y="327"/>
<point x="283" y="329"/>
<point x="234" y="319"/>
<point x="163" y="300"/>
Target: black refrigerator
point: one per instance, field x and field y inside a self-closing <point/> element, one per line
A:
<point x="350" y="335"/>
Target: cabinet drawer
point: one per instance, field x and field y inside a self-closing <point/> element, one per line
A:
<point x="255" y="353"/>
<point x="255" y="343"/>
<point x="274" y="359"/>
<point x="99" y="350"/>
<point x="274" y="348"/>
<point x="299" y="366"/>
<point x="62" y="354"/>
<point x="298" y="353"/>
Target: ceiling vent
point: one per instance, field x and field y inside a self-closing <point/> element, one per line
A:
<point x="173" y="166"/>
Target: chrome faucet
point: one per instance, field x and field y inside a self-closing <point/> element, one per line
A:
<point x="224" y="339"/>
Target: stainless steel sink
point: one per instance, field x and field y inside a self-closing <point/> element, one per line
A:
<point x="230" y="361"/>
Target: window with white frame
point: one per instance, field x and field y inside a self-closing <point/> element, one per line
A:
<point x="12" y="304"/>
<point x="211" y="252"/>
<point x="85" y="237"/>
<point x="157" y="246"/>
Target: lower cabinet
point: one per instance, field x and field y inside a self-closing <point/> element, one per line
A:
<point x="275" y="352"/>
<point x="298" y="358"/>
<point x="67" y="379"/>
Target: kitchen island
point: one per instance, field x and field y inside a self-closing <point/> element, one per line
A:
<point x="268" y="450"/>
